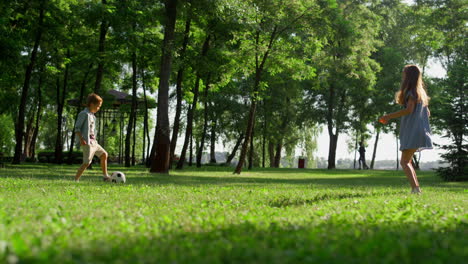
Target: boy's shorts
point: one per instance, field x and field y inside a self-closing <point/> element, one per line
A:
<point x="89" y="150"/>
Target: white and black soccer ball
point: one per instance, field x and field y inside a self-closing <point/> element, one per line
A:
<point x="118" y="177"/>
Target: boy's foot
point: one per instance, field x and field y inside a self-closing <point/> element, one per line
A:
<point x="106" y="178"/>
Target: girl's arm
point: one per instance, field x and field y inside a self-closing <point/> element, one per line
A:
<point x="408" y="110"/>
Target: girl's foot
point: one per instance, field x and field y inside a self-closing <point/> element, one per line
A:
<point x="416" y="190"/>
<point x="106" y="178"/>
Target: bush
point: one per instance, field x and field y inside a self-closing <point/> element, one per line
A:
<point x="458" y="164"/>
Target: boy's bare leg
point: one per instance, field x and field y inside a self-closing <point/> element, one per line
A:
<point x="103" y="159"/>
<point x="80" y="171"/>
<point x="406" y="158"/>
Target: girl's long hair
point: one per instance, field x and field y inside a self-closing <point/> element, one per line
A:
<point x="412" y="81"/>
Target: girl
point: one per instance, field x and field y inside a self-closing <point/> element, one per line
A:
<point x="415" y="133"/>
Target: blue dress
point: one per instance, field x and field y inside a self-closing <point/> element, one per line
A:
<point x="415" y="132"/>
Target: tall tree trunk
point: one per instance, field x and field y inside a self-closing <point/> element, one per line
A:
<point x="29" y="133"/>
<point x="205" y="123"/>
<point x="132" y="116"/>
<point x="78" y="109"/>
<point x="19" y="126"/>
<point x="355" y="150"/>
<point x="375" y="148"/>
<point x="332" y="150"/>
<point x="251" y="151"/>
<point x="279" y="148"/>
<point x="134" y="140"/>
<point x="213" y="142"/>
<point x="161" y="160"/>
<point x="188" y="130"/>
<point x="271" y="153"/>
<point x="152" y="153"/>
<point x="60" y="106"/>
<point x="333" y="137"/>
<point x="234" y="150"/>
<point x="259" y="65"/>
<point x="264" y="137"/>
<point x="191" y="149"/>
<point x="180" y="74"/>
<point x="38" y="114"/>
<point x="145" y="121"/>
<point x="101" y="53"/>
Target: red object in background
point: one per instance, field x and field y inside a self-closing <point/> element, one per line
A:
<point x="301" y="164"/>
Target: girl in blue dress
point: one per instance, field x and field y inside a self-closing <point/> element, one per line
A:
<point x="415" y="133"/>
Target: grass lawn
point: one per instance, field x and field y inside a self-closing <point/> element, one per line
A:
<point x="209" y="215"/>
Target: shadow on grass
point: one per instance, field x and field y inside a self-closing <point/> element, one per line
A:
<point x="275" y="242"/>
<point x="306" y="177"/>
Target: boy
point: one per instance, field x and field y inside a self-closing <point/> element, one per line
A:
<point x="85" y="130"/>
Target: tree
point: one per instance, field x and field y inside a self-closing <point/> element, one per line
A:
<point x="266" y="22"/>
<point x="161" y="160"/>
<point x="19" y="125"/>
<point x="345" y="65"/>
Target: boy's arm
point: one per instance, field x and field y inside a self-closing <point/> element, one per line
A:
<point x="82" y="140"/>
<point x="79" y="123"/>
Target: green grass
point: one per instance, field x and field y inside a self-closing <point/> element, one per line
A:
<point x="211" y="216"/>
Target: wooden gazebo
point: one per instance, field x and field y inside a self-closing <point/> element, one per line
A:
<point x="115" y="108"/>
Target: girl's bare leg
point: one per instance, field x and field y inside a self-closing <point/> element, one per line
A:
<point x="406" y="159"/>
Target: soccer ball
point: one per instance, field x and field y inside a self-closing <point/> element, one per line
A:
<point x="118" y="177"/>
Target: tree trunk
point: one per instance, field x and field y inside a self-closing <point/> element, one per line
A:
<point x="134" y="140"/>
<point x="213" y="142"/>
<point x="29" y="134"/>
<point x="78" y="109"/>
<point x="102" y="38"/>
<point x="332" y="136"/>
<point x="264" y="138"/>
<point x="132" y="116"/>
<point x="145" y="121"/>
<point x="205" y="123"/>
<point x="251" y="152"/>
<point x="188" y="130"/>
<point x="160" y="164"/>
<point x="19" y="126"/>
<point x="60" y="106"/>
<point x="271" y="153"/>
<point x="251" y="119"/>
<point x="150" y="158"/>
<point x="375" y="149"/>
<point x="38" y="114"/>
<point x="355" y="150"/>
<point x="180" y="74"/>
<point x="332" y="150"/>
<point x="234" y="150"/>
<point x="191" y="150"/>
<point x="415" y="162"/>
<point x="279" y="147"/>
